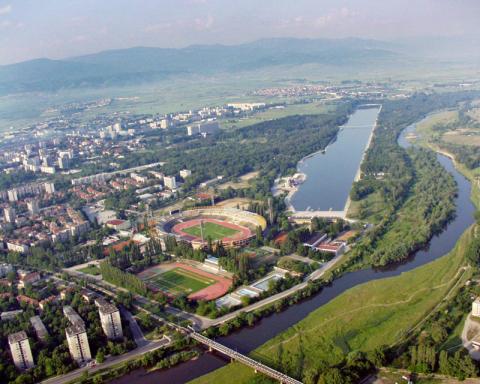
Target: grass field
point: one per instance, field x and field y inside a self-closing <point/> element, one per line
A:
<point x="363" y="318"/>
<point x="91" y="270"/>
<point x="179" y="280"/>
<point x="212" y="230"/>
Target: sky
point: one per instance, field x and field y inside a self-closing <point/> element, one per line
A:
<point x="64" y="28"/>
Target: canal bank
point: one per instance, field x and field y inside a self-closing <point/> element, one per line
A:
<point x="249" y="339"/>
<point x="330" y="173"/>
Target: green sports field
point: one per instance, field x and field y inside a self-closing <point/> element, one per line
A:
<point x="212" y="230"/>
<point x="179" y="280"/>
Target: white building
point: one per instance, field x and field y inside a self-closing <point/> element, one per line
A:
<point x="20" y="350"/>
<point x="33" y="206"/>
<point x="49" y="188"/>
<point x="184" y="173"/>
<point x="111" y="322"/>
<point x="72" y="316"/>
<point x="170" y="182"/>
<point x="39" y="327"/>
<point x="78" y="346"/>
<point x="5" y="269"/>
<point x="9" y="214"/>
<point x="476" y="307"/>
<point x="12" y="195"/>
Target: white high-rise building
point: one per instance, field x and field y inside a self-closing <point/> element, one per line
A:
<point x="33" y="206"/>
<point x="20" y="350"/>
<point x="12" y="195"/>
<point x="78" y="346"/>
<point x="111" y="322"/>
<point x="49" y="188"/>
<point x="476" y="307"/>
<point x="170" y="182"/>
<point x="9" y="214"/>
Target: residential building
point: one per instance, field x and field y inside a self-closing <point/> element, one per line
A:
<point x="49" y="188"/>
<point x="9" y="214"/>
<point x="111" y="322"/>
<point x="33" y="206"/>
<point x="20" y="350"/>
<point x="184" y="173"/>
<point x="10" y="315"/>
<point x="72" y="315"/>
<point x="170" y="182"/>
<point x="476" y="307"/>
<point x="5" y="269"/>
<point x="78" y="346"/>
<point x="39" y="328"/>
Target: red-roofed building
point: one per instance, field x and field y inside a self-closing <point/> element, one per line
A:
<point x="27" y="300"/>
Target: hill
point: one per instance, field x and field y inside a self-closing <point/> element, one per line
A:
<point x="141" y="64"/>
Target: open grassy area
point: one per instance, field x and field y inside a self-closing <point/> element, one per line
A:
<point x="363" y="318"/>
<point x="212" y="230"/>
<point x="277" y="113"/>
<point x="179" y="280"/>
<point x="91" y="270"/>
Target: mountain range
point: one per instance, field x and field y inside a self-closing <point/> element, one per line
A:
<point x="139" y="64"/>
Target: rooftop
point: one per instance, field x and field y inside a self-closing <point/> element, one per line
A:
<point x="75" y="329"/>
<point x="17" y="337"/>
<point x="108" y="309"/>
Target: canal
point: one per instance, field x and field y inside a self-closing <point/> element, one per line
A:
<point x="330" y="175"/>
<point x="248" y="339"/>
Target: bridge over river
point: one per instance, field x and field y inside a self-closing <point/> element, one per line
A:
<point x="234" y="355"/>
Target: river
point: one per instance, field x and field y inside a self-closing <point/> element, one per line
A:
<point x="249" y="339"/>
<point x="330" y="175"/>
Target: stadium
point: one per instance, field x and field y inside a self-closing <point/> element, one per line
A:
<point x="232" y="227"/>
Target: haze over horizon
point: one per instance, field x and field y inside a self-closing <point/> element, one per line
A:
<point x="57" y="29"/>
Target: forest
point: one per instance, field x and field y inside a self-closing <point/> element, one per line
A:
<point x="406" y="181"/>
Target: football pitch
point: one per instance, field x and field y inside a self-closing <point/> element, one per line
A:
<point x="212" y="230"/>
<point x="179" y="280"/>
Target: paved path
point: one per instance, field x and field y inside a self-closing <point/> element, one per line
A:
<point x="135" y="328"/>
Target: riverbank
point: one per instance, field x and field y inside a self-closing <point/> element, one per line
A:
<point x="270" y="327"/>
<point x="364" y="317"/>
<point x="331" y="172"/>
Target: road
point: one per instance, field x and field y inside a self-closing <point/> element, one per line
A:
<point x="135" y="328"/>
<point x="151" y="346"/>
<point x="317" y="274"/>
<point x="201" y="322"/>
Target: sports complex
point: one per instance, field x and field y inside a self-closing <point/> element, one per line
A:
<point x="181" y="278"/>
<point x="232" y="227"/>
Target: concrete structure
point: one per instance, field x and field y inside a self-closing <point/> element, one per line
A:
<point x="49" y="188"/>
<point x="184" y="173"/>
<point x="9" y="214"/>
<point x="78" y="346"/>
<point x="203" y="128"/>
<point x="234" y="355"/>
<point x="476" y="307"/>
<point x="10" y="315"/>
<point x="170" y="182"/>
<point x="33" y="206"/>
<point x="20" y="350"/>
<point x="5" y="269"/>
<point x="111" y="322"/>
<point x="72" y="316"/>
<point x="39" y="328"/>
